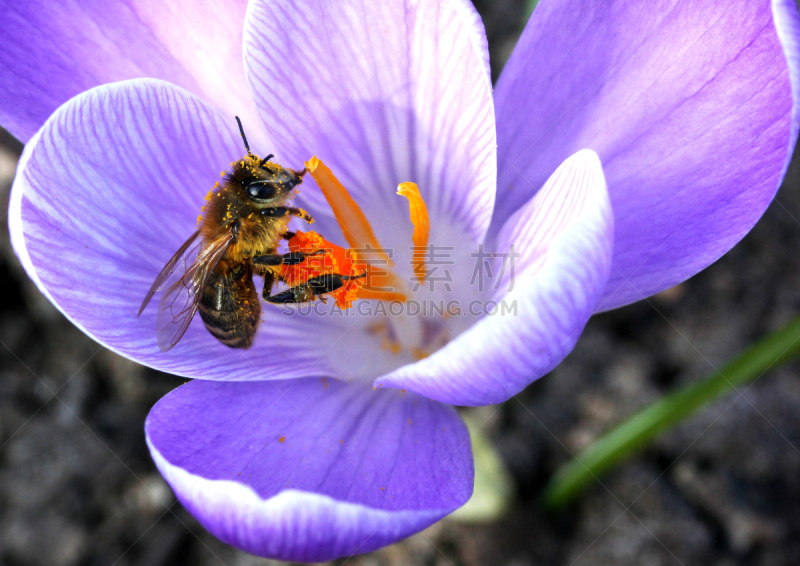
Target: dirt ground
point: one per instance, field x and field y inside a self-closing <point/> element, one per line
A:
<point x="77" y="486"/>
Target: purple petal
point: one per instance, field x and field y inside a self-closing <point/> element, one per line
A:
<point x="310" y="470"/>
<point x="688" y="104"/>
<point x="564" y="236"/>
<point x="105" y="194"/>
<point x="53" y="51"/>
<point x="383" y="93"/>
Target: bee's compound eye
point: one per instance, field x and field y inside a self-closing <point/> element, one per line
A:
<point x="261" y="191"/>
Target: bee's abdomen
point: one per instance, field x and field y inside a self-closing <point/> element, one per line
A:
<point x="230" y="308"/>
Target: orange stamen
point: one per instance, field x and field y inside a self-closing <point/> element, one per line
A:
<point x="354" y="224"/>
<point x="382" y="284"/>
<point x="422" y="227"/>
<point x="340" y="261"/>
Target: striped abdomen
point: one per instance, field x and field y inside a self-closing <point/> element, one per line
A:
<point x="230" y="307"/>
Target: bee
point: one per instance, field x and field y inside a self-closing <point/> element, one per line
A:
<point x="244" y="221"/>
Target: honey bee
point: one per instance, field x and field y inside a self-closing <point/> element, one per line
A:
<point x="244" y="221"/>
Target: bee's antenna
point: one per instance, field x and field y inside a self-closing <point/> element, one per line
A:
<point x="244" y="138"/>
<point x="267" y="158"/>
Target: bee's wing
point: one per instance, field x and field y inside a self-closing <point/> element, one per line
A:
<point x="180" y="299"/>
<point x="169" y="269"/>
<point x="183" y="293"/>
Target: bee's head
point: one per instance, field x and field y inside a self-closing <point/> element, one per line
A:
<point x="264" y="183"/>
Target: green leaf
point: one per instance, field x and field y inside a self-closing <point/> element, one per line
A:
<point x="640" y="429"/>
<point x="530" y="6"/>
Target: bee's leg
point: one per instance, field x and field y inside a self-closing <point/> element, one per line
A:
<point x="288" y="235"/>
<point x="312" y="288"/>
<point x="281" y="211"/>
<point x="299" y="294"/>
<point x="269" y="282"/>
<point x="291" y="258"/>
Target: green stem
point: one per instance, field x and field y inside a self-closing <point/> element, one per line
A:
<point x="640" y="429"/>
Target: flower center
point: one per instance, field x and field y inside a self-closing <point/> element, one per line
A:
<point x="400" y="332"/>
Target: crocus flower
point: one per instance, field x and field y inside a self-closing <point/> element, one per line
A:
<point x="627" y="146"/>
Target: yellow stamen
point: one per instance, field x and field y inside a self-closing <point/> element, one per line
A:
<point x="354" y="224"/>
<point x="419" y="353"/>
<point x="422" y="226"/>
<point x="381" y="284"/>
